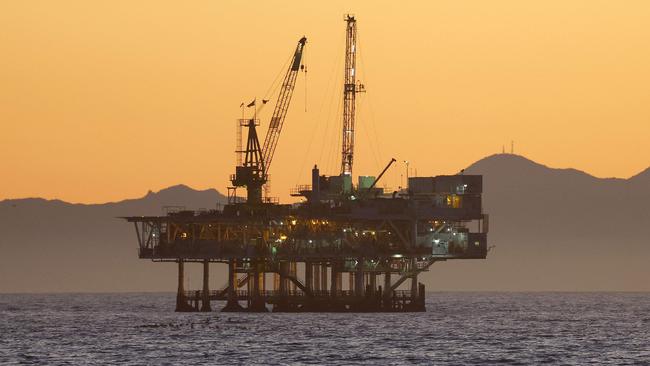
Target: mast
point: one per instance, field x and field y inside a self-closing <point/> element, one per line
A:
<point x="350" y="89"/>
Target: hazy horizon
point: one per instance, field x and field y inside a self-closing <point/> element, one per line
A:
<point x="152" y="190"/>
<point x="71" y="247"/>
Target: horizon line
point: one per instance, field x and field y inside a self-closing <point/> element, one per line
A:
<point x="150" y="190"/>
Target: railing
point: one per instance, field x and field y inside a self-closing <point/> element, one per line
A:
<point x="297" y="191"/>
<point x="187" y="248"/>
<point x="274" y="200"/>
<point x="241" y="294"/>
<point x="402" y="294"/>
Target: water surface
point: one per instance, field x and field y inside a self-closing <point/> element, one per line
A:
<point x="458" y="328"/>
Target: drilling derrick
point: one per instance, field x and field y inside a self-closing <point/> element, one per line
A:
<point x="350" y="89"/>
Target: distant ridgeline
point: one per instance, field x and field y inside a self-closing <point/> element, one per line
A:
<point x="554" y="229"/>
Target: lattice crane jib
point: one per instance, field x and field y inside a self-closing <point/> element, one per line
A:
<point x="282" y="105"/>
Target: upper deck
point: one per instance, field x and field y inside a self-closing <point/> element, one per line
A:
<point x="426" y="222"/>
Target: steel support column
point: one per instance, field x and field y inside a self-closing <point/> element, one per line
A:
<point x="334" y="279"/>
<point x="181" y="300"/>
<point x="316" y="273"/>
<point x="257" y="303"/>
<point x="358" y="285"/>
<point x="205" y="301"/>
<point x="323" y="276"/>
<point x="232" y="304"/>
<point x="309" y="279"/>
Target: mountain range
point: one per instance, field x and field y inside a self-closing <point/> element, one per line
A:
<point x="550" y="230"/>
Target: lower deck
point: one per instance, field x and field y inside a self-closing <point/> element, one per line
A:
<point x="255" y="286"/>
<point x="298" y="301"/>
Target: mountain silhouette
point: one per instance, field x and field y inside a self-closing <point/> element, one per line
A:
<point x="54" y="246"/>
<point x="641" y="178"/>
<point x="550" y="229"/>
<point x="557" y="229"/>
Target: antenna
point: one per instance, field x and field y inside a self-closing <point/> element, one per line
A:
<point x="512" y="146"/>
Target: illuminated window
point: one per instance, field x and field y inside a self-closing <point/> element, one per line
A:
<point x="453" y="201"/>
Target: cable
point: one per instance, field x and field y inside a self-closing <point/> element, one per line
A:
<point x="315" y="130"/>
<point x="372" y="114"/>
<point x="274" y="85"/>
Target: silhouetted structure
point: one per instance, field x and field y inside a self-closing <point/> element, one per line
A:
<point x="345" y="248"/>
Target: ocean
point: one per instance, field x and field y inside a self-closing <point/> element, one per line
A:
<point x="459" y="328"/>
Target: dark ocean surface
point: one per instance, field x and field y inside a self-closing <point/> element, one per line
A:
<point x="458" y="328"/>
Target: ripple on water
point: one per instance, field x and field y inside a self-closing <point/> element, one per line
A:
<point x="459" y="328"/>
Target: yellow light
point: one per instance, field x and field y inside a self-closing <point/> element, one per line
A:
<point x="283" y="237"/>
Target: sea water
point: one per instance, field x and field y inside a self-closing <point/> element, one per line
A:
<point x="458" y="328"/>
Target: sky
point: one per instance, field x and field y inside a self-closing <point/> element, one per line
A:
<point x="101" y="101"/>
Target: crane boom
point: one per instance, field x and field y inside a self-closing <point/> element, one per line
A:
<point x="282" y="106"/>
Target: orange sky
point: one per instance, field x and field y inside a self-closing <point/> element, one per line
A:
<point x="104" y="100"/>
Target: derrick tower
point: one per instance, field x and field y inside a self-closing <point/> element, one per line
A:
<point x="350" y="89"/>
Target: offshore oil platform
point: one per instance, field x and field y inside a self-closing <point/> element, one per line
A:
<point x="345" y="247"/>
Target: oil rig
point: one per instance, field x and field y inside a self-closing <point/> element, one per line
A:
<point x="344" y="247"/>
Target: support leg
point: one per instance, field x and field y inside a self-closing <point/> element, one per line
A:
<point x="205" y="301"/>
<point x="232" y="305"/>
<point x="414" y="287"/>
<point x="387" y="291"/>
<point x="181" y="299"/>
<point x="359" y="277"/>
<point x="282" y="304"/>
<point x="323" y="276"/>
<point x="293" y="270"/>
<point x="257" y="303"/>
<point x="316" y="273"/>
<point x="334" y="280"/>
<point x="335" y="287"/>
<point x="309" y="278"/>
<point x="339" y="280"/>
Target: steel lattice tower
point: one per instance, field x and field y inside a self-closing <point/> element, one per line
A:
<point x="350" y="89"/>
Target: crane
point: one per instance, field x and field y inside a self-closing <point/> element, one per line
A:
<point x="282" y="106"/>
<point x="253" y="173"/>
